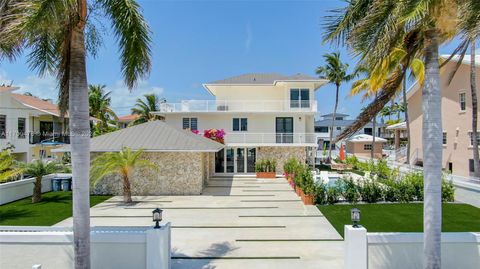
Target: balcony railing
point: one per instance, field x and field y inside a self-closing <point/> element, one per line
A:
<point x="239" y="106"/>
<point x="270" y="138"/>
<point x="45" y="138"/>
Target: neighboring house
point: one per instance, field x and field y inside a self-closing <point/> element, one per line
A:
<point x="185" y="160"/>
<point x="323" y="129"/>
<point x="263" y="115"/>
<point x="31" y="125"/>
<point x="456" y="118"/>
<point x="360" y="145"/>
<point x="124" y="121"/>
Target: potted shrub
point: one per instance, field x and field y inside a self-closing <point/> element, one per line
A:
<point x="308" y="187"/>
<point x="298" y="179"/>
<point x="266" y="168"/>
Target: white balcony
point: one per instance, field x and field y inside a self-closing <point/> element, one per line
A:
<point x="238" y="106"/>
<point x="270" y="139"/>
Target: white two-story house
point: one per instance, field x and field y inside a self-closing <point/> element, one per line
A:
<point x="264" y="116"/>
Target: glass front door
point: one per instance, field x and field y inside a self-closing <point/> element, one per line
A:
<point x="235" y="160"/>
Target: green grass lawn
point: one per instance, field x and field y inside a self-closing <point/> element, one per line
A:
<point x="54" y="207"/>
<point x="403" y="217"/>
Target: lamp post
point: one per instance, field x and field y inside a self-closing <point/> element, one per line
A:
<point x="157" y="217"/>
<point x="355" y="216"/>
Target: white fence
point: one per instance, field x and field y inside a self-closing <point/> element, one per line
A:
<point x="111" y="247"/>
<point x="405" y="250"/>
<point x="15" y="190"/>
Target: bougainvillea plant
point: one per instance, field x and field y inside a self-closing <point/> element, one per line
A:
<point x="214" y="134"/>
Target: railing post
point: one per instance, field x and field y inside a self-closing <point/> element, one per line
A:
<point x="158" y="247"/>
<point x="356" y="256"/>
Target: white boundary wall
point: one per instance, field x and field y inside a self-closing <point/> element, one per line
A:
<point x="19" y="189"/>
<point x="111" y="247"/>
<point x="405" y="250"/>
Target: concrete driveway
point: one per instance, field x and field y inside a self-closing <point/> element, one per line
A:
<point x="238" y="222"/>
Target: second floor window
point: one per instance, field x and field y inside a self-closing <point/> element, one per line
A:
<point x="240" y="124"/>
<point x="463" y="102"/>
<point x="321" y="129"/>
<point x="3" y="126"/>
<point x="190" y="123"/>
<point x="21" y="128"/>
<point x="299" y="98"/>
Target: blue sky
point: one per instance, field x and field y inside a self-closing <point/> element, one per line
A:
<point x="200" y="41"/>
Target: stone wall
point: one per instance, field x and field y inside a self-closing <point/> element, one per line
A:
<point x="179" y="173"/>
<point x="281" y="155"/>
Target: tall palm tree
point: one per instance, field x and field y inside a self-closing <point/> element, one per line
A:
<point x="372" y="29"/>
<point x="8" y="169"/>
<point x="58" y="35"/>
<point x="473" y="90"/>
<point x="99" y="102"/>
<point x="335" y="71"/>
<point x="143" y="108"/>
<point x="122" y="163"/>
<point x="39" y="169"/>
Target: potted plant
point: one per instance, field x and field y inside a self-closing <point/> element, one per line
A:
<point x="308" y="187"/>
<point x="266" y="168"/>
<point x="298" y="179"/>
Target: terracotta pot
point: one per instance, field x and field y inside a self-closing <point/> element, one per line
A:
<point x="308" y="199"/>
<point x="266" y="175"/>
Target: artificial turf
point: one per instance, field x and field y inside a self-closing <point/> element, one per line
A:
<point x="403" y="217"/>
<point x="54" y="207"/>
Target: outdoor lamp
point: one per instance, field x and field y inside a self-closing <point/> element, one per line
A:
<point x="355" y="214"/>
<point x="157" y="217"/>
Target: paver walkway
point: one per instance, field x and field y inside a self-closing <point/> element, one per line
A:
<point x="238" y="222"/>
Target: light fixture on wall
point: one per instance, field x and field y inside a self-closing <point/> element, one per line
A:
<point x="157" y="217"/>
<point x="355" y="216"/>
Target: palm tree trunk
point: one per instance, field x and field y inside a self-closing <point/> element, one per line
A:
<point x="406" y="118"/>
<point x="373" y="132"/>
<point x="80" y="143"/>
<point x="333" y="124"/>
<point x="473" y="87"/>
<point x="127" y="190"/>
<point x="37" y="190"/>
<point x="432" y="153"/>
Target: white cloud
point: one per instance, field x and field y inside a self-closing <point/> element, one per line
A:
<point x="44" y="87"/>
<point x="123" y="99"/>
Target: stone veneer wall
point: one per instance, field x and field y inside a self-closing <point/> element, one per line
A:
<point x="281" y="155"/>
<point x="180" y="173"/>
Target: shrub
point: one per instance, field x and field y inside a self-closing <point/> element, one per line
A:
<point x="404" y="191"/>
<point x="321" y="193"/>
<point x="333" y="195"/>
<point x="291" y="166"/>
<point x="448" y="191"/>
<point x="415" y="179"/>
<point x="298" y="179"/>
<point x="352" y="160"/>
<point x="266" y="165"/>
<point x="371" y="191"/>
<point x="349" y="189"/>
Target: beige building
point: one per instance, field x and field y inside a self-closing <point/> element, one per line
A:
<point x="263" y="116"/>
<point x="456" y="118"/>
<point x="361" y="146"/>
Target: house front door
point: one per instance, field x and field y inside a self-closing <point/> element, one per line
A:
<point x="235" y="161"/>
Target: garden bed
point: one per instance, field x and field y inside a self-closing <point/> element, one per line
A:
<point x="403" y="217"/>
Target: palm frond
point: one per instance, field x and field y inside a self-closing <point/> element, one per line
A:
<point x="133" y="37"/>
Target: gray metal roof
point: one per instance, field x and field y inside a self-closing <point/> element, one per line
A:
<point x="262" y="78"/>
<point x="336" y="115"/>
<point x="154" y="136"/>
<point x="343" y="123"/>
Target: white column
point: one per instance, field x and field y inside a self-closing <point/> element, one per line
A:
<point x="158" y="247"/>
<point x="356" y="256"/>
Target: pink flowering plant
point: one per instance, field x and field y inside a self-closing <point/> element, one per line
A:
<point x="214" y="134"/>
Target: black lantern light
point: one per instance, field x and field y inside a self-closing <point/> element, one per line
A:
<point x="355" y="215"/>
<point x="157" y="217"/>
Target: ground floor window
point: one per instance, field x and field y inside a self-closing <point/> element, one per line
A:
<point x="367" y="147"/>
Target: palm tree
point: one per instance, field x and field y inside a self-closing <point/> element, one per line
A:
<point x="336" y="73"/>
<point x="473" y="90"/>
<point x="372" y="29"/>
<point x="39" y="169"/>
<point x="145" y="108"/>
<point x="58" y="36"/>
<point x="8" y="169"/>
<point x="99" y="102"/>
<point x="123" y="163"/>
